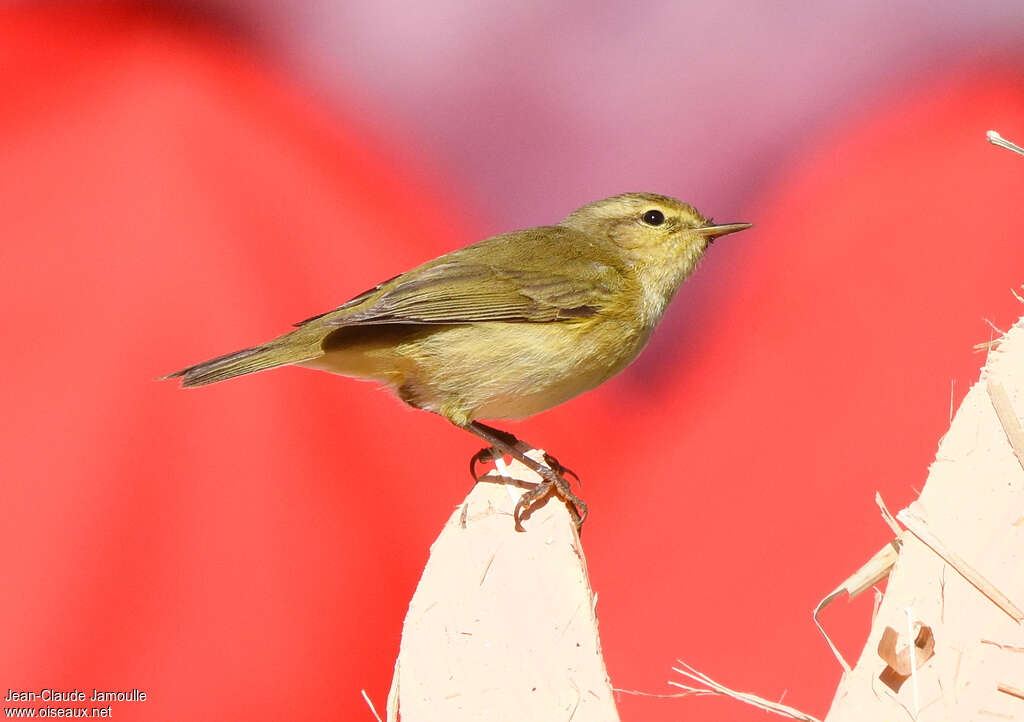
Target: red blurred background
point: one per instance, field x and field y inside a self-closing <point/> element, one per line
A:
<point x="183" y="183"/>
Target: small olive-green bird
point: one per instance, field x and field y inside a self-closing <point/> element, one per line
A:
<point x="507" y="327"/>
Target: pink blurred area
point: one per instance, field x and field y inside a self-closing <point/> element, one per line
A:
<point x="179" y="185"/>
<point x="541" y="106"/>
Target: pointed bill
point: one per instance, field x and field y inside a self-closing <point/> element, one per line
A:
<point x="723" y="229"/>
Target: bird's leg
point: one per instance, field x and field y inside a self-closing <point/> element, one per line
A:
<point x="560" y="469"/>
<point x="505" y="443"/>
<point x="490" y="454"/>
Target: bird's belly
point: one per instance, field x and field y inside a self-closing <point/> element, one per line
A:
<point x="513" y="370"/>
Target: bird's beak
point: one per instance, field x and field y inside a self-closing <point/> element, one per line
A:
<point x="713" y="232"/>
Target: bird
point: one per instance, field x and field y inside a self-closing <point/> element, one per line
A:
<point x="507" y="327"/>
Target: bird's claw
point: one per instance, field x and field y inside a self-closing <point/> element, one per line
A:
<point x="486" y="455"/>
<point x="551" y="471"/>
<point x="560" y="487"/>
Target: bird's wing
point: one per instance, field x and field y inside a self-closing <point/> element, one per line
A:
<point x="553" y="274"/>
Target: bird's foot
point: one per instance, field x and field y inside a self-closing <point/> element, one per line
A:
<point x="560" y="487"/>
<point x="490" y="454"/>
<point x="551" y="471"/>
<point x="554" y="481"/>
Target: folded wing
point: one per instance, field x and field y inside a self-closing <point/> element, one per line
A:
<point x="540" y="275"/>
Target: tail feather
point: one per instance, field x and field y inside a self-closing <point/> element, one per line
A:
<point x="239" y="363"/>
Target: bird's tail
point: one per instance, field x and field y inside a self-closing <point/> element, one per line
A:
<point x="279" y="352"/>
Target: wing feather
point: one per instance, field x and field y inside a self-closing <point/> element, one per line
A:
<point x="540" y="275"/>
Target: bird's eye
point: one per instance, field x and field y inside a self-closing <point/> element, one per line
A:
<point x="654" y="218"/>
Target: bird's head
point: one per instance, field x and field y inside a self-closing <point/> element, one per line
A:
<point x="651" y="228"/>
